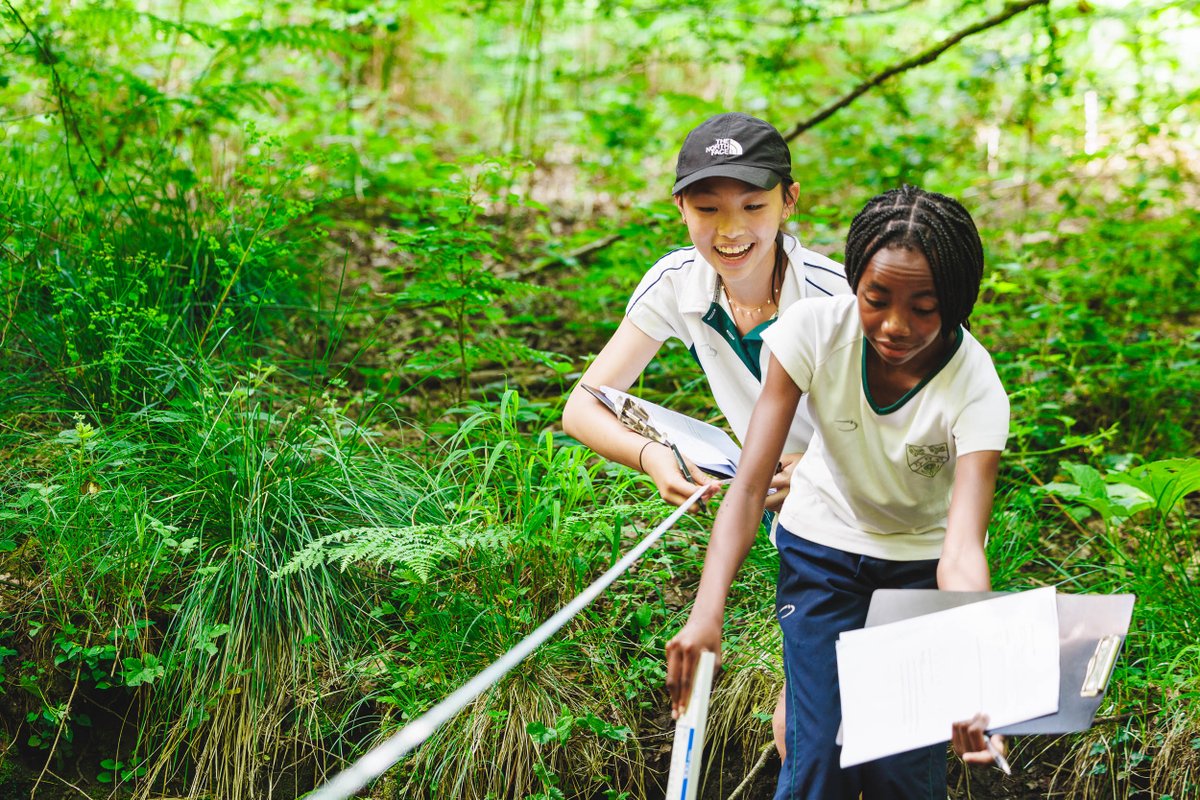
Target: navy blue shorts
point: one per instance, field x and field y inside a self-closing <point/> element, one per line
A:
<point x="821" y="592"/>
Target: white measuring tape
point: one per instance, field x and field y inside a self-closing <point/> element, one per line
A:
<point x="377" y="761"/>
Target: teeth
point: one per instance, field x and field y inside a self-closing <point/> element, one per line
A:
<point x="733" y="251"/>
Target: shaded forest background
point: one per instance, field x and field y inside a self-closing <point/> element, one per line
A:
<point x="290" y="298"/>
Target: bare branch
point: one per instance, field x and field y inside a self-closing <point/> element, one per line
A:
<point x="928" y="56"/>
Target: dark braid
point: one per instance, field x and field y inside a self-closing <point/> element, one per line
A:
<point x="781" y="260"/>
<point x="933" y="224"/>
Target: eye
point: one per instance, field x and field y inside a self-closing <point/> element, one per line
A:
<point x="874" y="302"/>
<point x="925" y="312"/>
<point x="706" y="209"/>
<point x="756" y="206"/>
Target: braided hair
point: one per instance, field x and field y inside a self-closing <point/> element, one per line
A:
<point x="935" y="225"/>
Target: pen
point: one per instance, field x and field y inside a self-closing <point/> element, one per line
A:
<point x="682" y="464"/>
<point x="997" y="756"/>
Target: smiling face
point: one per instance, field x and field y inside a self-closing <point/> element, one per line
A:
<point x="733" y="226"/>
<point x="898" y="306"/>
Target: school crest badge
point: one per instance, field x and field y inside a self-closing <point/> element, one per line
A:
<point x="927" y="459"/>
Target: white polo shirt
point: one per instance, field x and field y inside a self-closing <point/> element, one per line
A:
<point x="876" y="480"/>
<point x="678" y="298"/>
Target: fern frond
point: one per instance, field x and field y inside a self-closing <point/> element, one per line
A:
<point x="417" y="548"/>
<point x="253" y="37"/>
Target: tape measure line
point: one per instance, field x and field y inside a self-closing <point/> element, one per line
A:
<point x="374" y="763"/>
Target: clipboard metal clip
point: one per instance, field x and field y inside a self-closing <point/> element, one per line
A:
<point x="637" y="419"/>
<point x="1100" y="665"/>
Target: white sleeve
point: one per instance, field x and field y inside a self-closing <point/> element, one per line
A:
<point x="654" y="307"/>
<point x="983" y="422"/>
<point x="791" y="339"/>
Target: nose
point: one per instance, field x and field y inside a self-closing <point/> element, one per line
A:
<point x="730" y="225"/>
<point x="896" y="325"/>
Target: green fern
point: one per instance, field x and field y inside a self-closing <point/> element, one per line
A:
<point x="416" y="549"/>
<point x="419" y="549"/>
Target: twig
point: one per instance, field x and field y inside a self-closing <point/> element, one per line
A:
<point x="758" y="767"/>
<point x="1122" y="717"/>
<point x="587" y="249"/>
<point x="1082" y="530"/>
<point x="926" y="57"/>
<point x="62" y="723"/>
<point x="581" y="252"/>
<point x="65" y="782"/>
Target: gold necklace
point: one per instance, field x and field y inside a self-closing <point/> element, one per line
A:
<point x="749" y="312"/>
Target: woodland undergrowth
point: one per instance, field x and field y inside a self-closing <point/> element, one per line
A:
<point x="287" y="313"/>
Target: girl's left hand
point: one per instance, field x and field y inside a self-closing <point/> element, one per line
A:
<point x="781" y="481"/>
<point x="968" y="739"/>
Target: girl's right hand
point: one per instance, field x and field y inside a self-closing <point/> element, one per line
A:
<point x="683" y="653"/>
<point x="659" y="463"/>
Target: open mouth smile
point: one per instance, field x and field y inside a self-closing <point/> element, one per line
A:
<point x="733" y="252"/>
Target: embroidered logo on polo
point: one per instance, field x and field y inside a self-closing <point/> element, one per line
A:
<point x="846" y="425"/>
<point x="786" y="611"/>
<point x="928" y="459"/>
<point x="724" y="147"/>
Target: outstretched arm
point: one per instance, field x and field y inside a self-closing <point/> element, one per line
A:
<point x="733" y="531"/>
<point x="963" y="567"/>
<point x="618" y="365"/>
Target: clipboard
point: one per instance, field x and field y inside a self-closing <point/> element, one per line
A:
<point x="1091" y="629"/>
<point x="710" y="448"/>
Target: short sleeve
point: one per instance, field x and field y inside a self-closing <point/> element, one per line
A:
<point x="984" y="420"/>
<point x="791" y="340"/>
<point x="654" y="308"/>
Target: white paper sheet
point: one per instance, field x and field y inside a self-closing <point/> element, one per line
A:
<point x="709" y="447"/>
<point x="905" y="683"/>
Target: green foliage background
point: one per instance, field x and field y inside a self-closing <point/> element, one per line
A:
<point x="290" y="297"/>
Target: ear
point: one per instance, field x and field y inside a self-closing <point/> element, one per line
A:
<point x="793" y="195"/>
<point x="679" y="204"/>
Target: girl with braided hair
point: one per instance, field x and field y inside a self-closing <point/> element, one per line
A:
<point x="895" y="490"/>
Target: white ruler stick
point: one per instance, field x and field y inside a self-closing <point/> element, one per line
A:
<point x="377" y="761"/>
<point x="684" y="780"/>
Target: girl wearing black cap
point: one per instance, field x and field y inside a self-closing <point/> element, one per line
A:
<point x="734" y="190"/>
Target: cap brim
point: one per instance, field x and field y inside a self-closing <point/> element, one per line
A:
<point x="755" y="176"/>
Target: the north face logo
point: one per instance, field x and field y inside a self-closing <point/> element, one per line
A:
<point x="724" y="147"/>
<point x="927" y="459"/>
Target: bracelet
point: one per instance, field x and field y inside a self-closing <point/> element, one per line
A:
<point x="643" y="450"/>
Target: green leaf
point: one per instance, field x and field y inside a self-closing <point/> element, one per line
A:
<point x="539" y="732"/>
<point x="1165" y="482"/>
<point x="1090" y="482"/>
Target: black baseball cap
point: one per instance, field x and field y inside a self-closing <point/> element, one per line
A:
<point x="734" y="145"/>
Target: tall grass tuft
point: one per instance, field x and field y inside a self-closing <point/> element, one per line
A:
<point x="528" y="524"/>
<point x="162" y="543"/>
